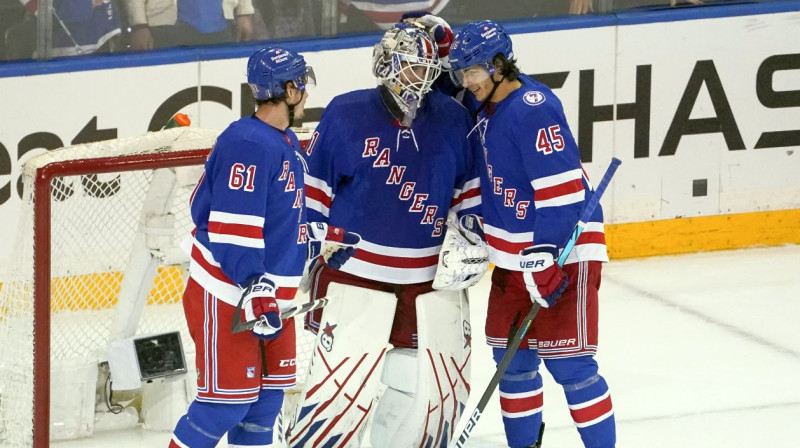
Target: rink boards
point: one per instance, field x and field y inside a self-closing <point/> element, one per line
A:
<point x="701" y="104"/>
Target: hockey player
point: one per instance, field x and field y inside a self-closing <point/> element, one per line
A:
<point x="389" y="162"/>
<point x="250" y="244"/>
<point x="537" y="191"/>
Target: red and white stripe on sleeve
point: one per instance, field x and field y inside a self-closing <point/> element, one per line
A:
<point x="236" y="229"/>
<point x="559" y="189"/>
<point x="591" y="245"/>
<point x="467" y="197"/>
<point x="318" y="195"/>
<point x="504" y="246"/>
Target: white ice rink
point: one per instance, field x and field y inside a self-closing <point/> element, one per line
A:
<point x="699" y="350"/>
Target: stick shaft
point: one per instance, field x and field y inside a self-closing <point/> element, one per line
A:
<point x="513" y="344"/>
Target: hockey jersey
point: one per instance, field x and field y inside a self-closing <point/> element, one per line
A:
<point x="392" y="185"/>
<point x="536" y="185"/>
<point x="249" y="213"/>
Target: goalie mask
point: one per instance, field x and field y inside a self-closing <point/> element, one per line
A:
<point x="406" y="62"/>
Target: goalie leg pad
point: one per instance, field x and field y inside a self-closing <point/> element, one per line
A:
<point x="521" y="397"/>
<point x="345" y="369"/>
<point x="400" y="377"/>
<point x="436" y="399"/>
<point x="205" y="423"/>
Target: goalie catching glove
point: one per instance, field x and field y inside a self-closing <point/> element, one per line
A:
<point x="332" y="244"/>
<point x="464" y="256"/>
<point x="258" y="304"/>
<point x="544" y="278"/>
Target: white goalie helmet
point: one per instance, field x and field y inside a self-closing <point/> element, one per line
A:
<point x="406" y="61"/>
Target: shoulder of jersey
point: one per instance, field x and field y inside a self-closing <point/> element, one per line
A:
<point x="534" y="94"/>
<point x="355" y="98"/>
<point x="249" y="137"/>
<point x="446" y="101"/>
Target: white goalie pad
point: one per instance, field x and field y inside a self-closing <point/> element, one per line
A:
<point x="462" y="262"/>
<point x="345" y="369"/>
<point x="428" y="387"/>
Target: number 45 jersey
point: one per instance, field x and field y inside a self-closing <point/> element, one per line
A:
<point x="536" y="185"/>
<point x="392" y="185"/>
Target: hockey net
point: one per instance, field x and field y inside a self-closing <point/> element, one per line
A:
<point x="98" y="259"/>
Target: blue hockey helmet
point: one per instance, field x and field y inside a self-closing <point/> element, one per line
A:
<point x="478" y="43"/>
<point x="268" y="70"/>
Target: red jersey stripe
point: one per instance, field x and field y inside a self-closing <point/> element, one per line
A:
<point x="471" y="193"/>
<point x="569" y="187"/>
<point x="318" y="195"/>
<point x="396" y="262"/>
<point x="592" y="238"/>
<point x="212" y="270"/>
<point x="506" y="246"/>
<point x="243" y="230"/>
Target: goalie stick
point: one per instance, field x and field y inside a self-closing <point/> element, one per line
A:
<point x="513" y="344"/>
<point x="237" y="326"/>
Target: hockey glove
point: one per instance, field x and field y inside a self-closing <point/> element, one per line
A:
<point x="333" y="245"/>
<point x="258" y="303"/>
<point x="544" y="279"/>
<point x="472" y="228"/>
<point x="464" y="256"/>
<point x="436" y="27"/>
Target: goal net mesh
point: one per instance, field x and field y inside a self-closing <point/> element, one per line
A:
<point x="102" y="223"/>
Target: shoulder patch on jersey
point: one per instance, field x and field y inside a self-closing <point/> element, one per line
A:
<point x="533" y="98"/>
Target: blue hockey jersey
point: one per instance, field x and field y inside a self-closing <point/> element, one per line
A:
<point x="534" y="185"/>
<point x="392" y="185"/>
<point x="249" y="213"/>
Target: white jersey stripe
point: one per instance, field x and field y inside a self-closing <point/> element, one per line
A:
<point x="467" y="203"/>
<point x="398" y="251"/>
<point x="314" y="204"/>
<point x="469" y="185"/>
<point x="557" y="179"/>
<point x="566" y="199"/>
<point x="524" y="237"/>
<point x="222" y="238"/>
<point x="388" y="274"/>
<point x="319" y="184"/>
<point x="236" y="218"/>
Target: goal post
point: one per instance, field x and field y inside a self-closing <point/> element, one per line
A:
<point x="95" y="261"/>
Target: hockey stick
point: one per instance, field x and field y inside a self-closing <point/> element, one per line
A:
<point x="513" y="344"/>
<point x="237" y="326"/>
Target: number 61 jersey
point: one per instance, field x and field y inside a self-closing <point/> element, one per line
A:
<point x="392" y="185"/>
<point x="248" y="210"/>
<point x="536" y="185"/>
